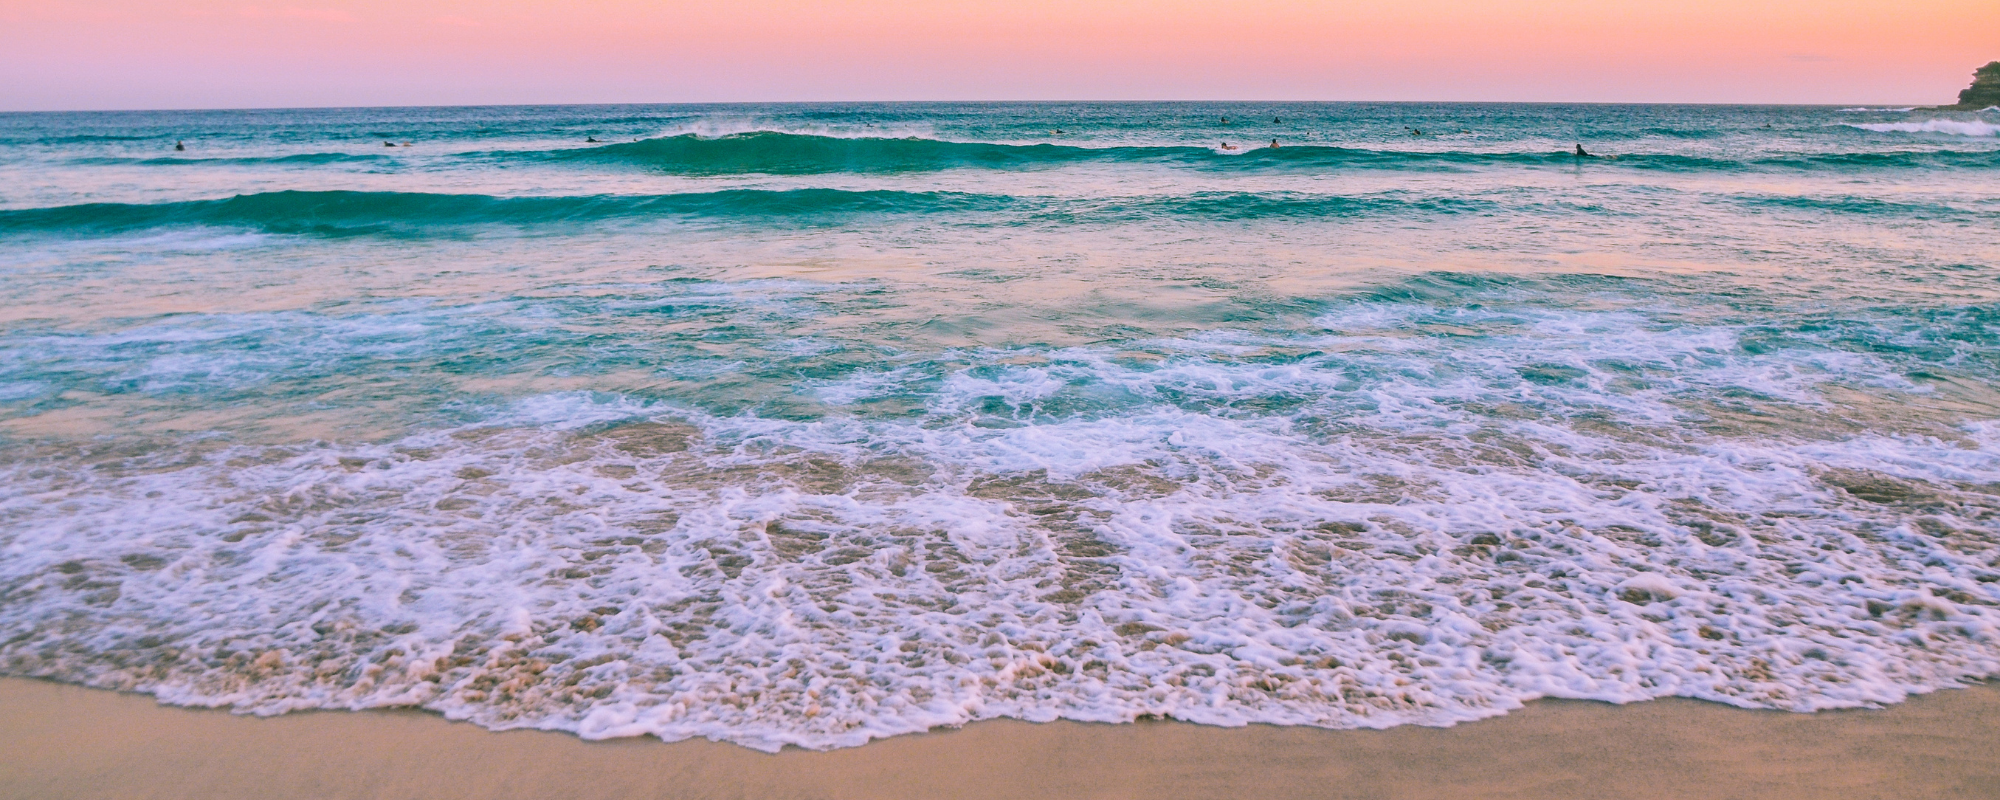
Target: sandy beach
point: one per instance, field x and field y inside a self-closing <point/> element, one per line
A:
<point x="68" y="742"/>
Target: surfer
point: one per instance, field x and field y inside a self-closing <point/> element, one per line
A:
<point x="1228" y="146"/>
<point x="1580" y="151"/>
<point x="179" y="147"/>
<point x="388" y="144"/>
<point x="590" y="140"/>
<point x="1225" y="120"/>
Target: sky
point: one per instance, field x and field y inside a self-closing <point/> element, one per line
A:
<point x="148" y="54"/>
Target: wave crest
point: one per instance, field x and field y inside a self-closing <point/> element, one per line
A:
<point x="1949" y="126"/>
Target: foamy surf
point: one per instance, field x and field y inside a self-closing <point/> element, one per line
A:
<point x="1947" y="126"/>
<point x="1374" y="554"/>
<point x="798" y="426"/>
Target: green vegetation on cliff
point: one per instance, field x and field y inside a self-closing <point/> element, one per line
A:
<point x="1985" y="88"/>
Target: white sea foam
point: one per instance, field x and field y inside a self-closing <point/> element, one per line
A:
<point x="1947" y="126"/>
<point x="1414" y="516"/>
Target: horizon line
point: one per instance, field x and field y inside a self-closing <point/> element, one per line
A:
<point x="1910" y="106"/>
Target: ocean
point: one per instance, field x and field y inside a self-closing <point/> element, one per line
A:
<point x="813" y="424"/>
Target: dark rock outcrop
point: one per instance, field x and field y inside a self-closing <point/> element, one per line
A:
<point x="1985" y="88"/>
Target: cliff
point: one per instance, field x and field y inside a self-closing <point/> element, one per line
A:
<point x="1985" y="88"/>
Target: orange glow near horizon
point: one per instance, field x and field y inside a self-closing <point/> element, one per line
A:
<point x="81" y="54"/>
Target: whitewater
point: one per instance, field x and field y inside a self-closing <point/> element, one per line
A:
<point x="813" y="424"/>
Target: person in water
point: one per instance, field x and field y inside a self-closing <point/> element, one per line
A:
<point x="1274" y="143"/>
<point x="1580" y="152"/>
<point x="590" y="140"/>
<point x="1228" y="146"/>
<point x="178" y="146"/>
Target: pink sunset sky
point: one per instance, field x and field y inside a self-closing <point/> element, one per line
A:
<point x="94" y="54"/>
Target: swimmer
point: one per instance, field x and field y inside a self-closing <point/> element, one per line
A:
<point x="1274" y="144"/>
<point x="178" y="146"/>
<point x="1416" y="131"/>
<point x="1228" y="146"/>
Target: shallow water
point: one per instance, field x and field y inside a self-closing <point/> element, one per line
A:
<point x="811" y="424"/>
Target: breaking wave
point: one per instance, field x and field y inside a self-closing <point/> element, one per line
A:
<point x="1947" y="126"/>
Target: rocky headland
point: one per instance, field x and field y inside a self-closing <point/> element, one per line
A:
<point x="1984" y="91"/>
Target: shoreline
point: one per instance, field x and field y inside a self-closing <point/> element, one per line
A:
<point x="69" y="741"/>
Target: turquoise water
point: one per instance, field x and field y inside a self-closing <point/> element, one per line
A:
<point x="809" y="424"/>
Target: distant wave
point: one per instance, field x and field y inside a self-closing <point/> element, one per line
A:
<point x="296" y="158"/>
<point x="800" y="154"/>
<point x="1949" y="126"/>
<point x="1860" y="109"/>
<point x="769" y="152"/>
<point x="780" y="153"/>
<point x="416" y="214"/>
<point x="81" y="138"/>
<point x="1259" y="206"/>
<point x="774" y="153"/>
<point x="1861" y="206"/>
<point x="347" y="213"/>
<point x="360" y="213"/>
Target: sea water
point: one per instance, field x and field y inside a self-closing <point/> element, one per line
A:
<point x="810" y="424"/>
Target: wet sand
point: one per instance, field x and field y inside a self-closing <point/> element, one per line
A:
<point x="60" y="741"/>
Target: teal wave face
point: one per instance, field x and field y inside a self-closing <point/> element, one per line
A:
<point x="774" y="153"/>
<point x="1876" y="207"/>
<point x="777" y="153"/>
<point x="799" y="154"/>
<point x="414" y="214"/>
<point x="1252" y="206"/>
<point x="347" y="213"/>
